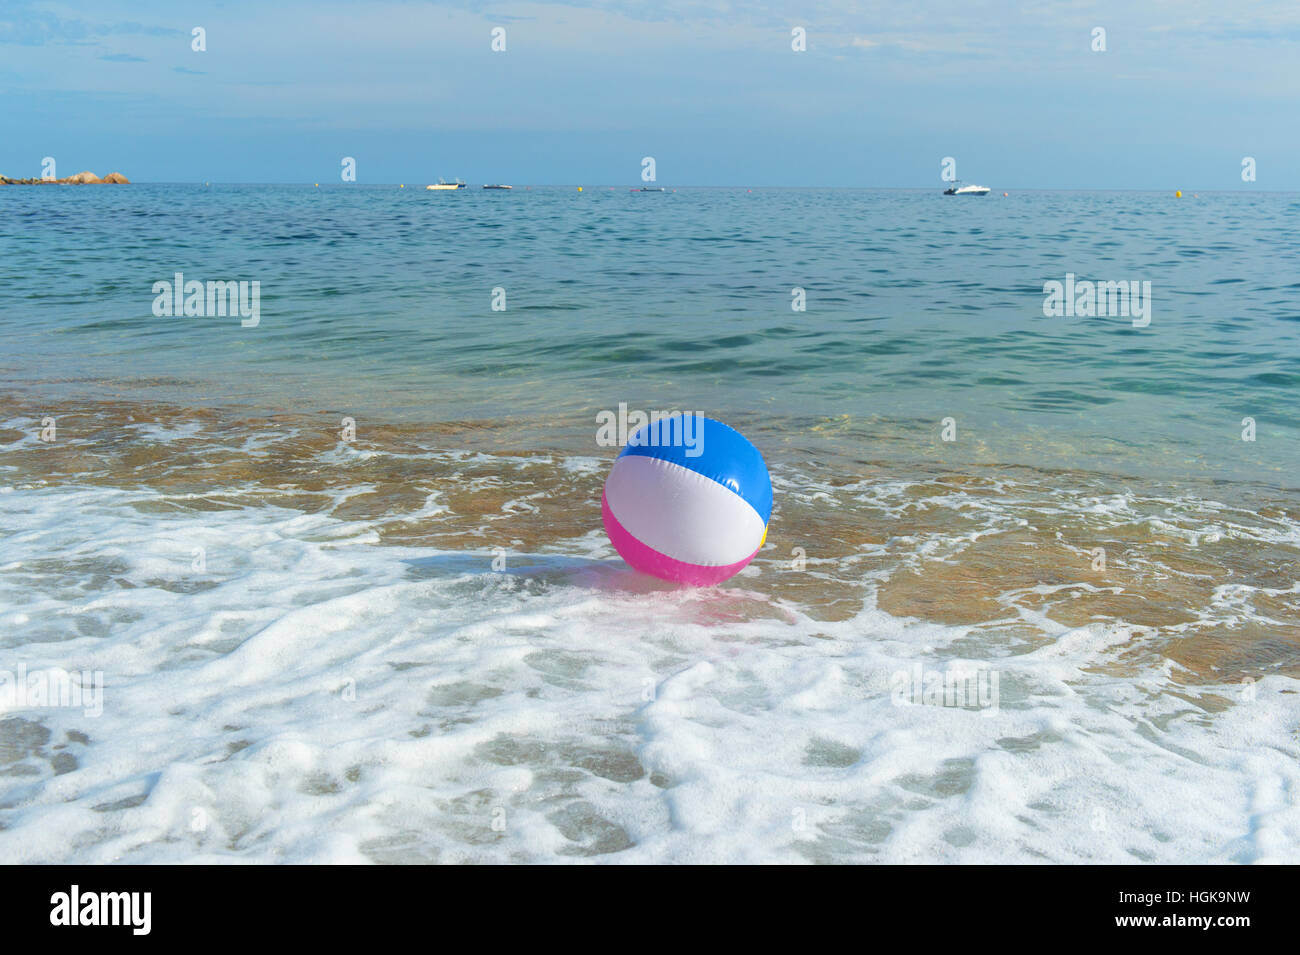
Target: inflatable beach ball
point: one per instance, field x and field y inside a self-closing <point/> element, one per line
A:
<point x="688" y="500"/>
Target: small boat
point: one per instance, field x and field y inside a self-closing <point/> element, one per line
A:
<point x="955" y="190"/>
<point x="498" y="186"/>
<point x="650" y="189"/>
<point x="444" y="184"/>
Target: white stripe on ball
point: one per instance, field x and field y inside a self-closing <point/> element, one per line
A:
<point x="710" y="525"/>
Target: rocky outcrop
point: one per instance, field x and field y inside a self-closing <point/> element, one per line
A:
<point x="80" y="179"/>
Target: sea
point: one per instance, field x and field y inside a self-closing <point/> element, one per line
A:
<point x="323" y="578"/>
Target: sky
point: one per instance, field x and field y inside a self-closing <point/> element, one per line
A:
<point x="712" y="90"/>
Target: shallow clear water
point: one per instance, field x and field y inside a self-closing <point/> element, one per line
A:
<point x="418" y="645"/>
<point x="919" y="307"/>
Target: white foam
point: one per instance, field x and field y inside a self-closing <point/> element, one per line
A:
<point x="311" y="695"/>
<point x="164" y="434"/>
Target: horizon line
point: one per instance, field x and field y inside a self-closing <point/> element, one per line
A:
<point x="655" y="187"/>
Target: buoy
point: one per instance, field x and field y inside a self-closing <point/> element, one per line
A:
<point x="1178" y="194"/>
<point x="402" y="186"/>
<point x="1004" y="195"/>
<point x="580" y="188"/>
<point x="687" y="500"/>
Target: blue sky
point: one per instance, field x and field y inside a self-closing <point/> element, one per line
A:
<point x="712" y="90"/>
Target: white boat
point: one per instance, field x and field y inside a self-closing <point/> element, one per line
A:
<point x="444" y="184"/>
<point x="956" y="190"/>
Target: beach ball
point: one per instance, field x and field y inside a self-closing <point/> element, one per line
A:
<point x="687" y="500"/>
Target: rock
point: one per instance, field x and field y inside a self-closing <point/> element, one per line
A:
<point x="81" y="178"/>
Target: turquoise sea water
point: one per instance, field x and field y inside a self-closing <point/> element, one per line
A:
<point x="918" y="307"/>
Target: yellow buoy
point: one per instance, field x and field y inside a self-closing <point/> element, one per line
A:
<point x="1178" y="194"/>
<point x="580" y="188"/>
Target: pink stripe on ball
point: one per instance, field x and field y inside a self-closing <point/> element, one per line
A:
<point x="646" y="559"/>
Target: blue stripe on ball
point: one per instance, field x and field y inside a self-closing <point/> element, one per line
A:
<point x="726" y="456"/>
